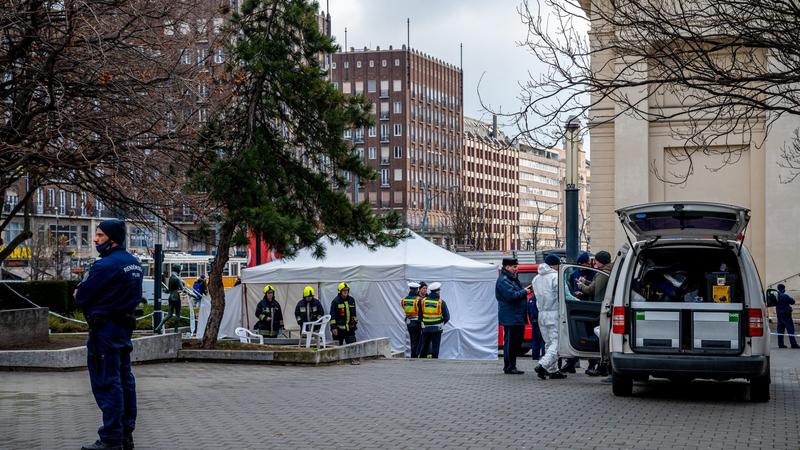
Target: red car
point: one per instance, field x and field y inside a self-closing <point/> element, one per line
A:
<point x="525" y="273"/>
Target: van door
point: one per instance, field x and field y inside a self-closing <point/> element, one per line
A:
<point x="579" y="302"/>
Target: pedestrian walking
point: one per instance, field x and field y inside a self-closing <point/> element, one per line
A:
<point x="175" y="287"/>
<point x="308" y="309"/>
<point x="434" y="314"/>
<point x="344" y="318"/>
<point x="108" y="297"/>
<point x="546" y="287"/>
<point x="511" y="312"/>
<point x="784" y="312"/>
<point x="269" y="314"/>
<point x="410" y="306"/>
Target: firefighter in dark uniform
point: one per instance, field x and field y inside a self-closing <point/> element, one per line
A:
<point x="175" y="286"/>
<point x="309" y="309"/>
<point x="268" y="312"/>
<point x="433" y="315"/>
<point x="344" y="319"/>
<point x="410" y="306"/>
<point x="108" y="297"/>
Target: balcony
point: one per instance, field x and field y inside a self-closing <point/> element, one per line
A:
<point x="384" y="116"/>
<point x="385" y="184"/>
<point x="384" y="93"/>
<point x="358" y="139"/>
<point x="385" y="139"/>
<point x="384" y="161"/>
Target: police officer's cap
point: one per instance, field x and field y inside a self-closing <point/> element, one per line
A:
<point x="509" y="261"/>
<point x="413" y="285"/>
<point x="435" y="286"/>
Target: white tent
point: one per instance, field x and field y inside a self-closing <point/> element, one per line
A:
<point x="378" y="280"/>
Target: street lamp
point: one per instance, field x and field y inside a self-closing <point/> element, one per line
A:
<point x="427" y="190"/>
<point x="571" y="190"/>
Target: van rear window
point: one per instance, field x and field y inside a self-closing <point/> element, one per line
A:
<point x="685" y="220"/>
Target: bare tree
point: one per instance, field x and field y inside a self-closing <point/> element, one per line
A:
<point x="95" y="95"/>
<point x="726" y="71"/>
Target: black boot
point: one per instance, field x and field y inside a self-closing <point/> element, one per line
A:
<point x="127" y="442"/>
<point x="540" y="372"/>
<point x="557" y="375"/>
<point x="100" y="445"/>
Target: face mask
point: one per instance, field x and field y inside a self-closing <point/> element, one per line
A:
<point x="103" y="248"/>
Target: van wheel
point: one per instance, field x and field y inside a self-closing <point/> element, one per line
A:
<point x="621" y="385"/>
<point x="759" y="389"/>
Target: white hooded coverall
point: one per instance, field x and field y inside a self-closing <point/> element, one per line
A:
<point x="545" y="287"/>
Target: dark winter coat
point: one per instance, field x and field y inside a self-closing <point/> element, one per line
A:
<point x="511" y="299"/>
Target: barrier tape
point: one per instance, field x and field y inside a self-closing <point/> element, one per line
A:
<point x="70" y="318"/>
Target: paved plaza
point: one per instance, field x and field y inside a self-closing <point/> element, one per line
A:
<point x="389" y="404"/>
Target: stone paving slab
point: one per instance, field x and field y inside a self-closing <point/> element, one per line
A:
<point x="396" y="403"/>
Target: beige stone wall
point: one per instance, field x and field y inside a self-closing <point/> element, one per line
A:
<point x="631" y="157"/>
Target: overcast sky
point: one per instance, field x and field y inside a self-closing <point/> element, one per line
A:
<point x="489" y="31"/>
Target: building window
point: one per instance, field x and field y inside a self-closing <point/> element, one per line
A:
<point x="358" y="64"/>
<point x="397" y="63"/>
<point x="383" y="63"/>
<point x="217" y="27"/>
<point x="186" y="56"/>
<point x="169" y="28"/>
<point x="398" y="174"/>
<point x="64" y="235"/>
<point x="346" y="87"/>
<point x="13" y="229"/>
<point x="398" y="152"/>
<point x="202" y="115"/>
<point x="348" y="134"/>
<point x="219" y="55"/>
<point x="398" y="129"/>
<point x="84" y="235"/>
<point x="347" y="64"/>
<point x="359" y="87"/>
<point x="398" y="197"/>
<point x="371" y="63"/>
<point x="173" y="240"/>
<point x="73" y="200"/>
<point x="201" y="56"/>
<point x="371" y="86"/>
<point x="202" y="91"/>
<point x="397" y="86"/>
<point x="51" y="198"/>
<point x="141" y="237"/>
<point x="398" y="107"/>
<point x="384" y="131"/>
<point x="39" y="201"/>
<point x="373" y="153"/>
<point x="384" y="88"/>
<point x="372" y="131"/>
<point x="84" y="202"/>
<point x="183" y="27"/>
<point x="333" y="65"/>
<point x="384" y="177"/>
<point x="202" y="27"/>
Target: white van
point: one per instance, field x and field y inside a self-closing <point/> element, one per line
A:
<point x="684" y="300"/>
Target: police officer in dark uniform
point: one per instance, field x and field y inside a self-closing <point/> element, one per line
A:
<point x="433" y="315"/>
<point x="344" y="318"/>
<point x="268" y="312"/>
<point x="309" y="309"/>
<point x="410" y="306"/>
<point x="108" y="297"/>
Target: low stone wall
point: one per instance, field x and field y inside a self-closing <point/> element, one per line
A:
<point x="23" y="326"/>
<point x="373" y="348"/>
<point x="149" y="348"/>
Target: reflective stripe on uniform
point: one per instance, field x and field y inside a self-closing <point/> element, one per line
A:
<point x="410" y="307"/>
<point x="431" y="310"/>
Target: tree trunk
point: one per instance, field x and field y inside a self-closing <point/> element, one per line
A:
<point x="216" y="288"/>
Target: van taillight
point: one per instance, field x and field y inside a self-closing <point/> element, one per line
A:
<point x="618" y="320"/>
<point x="755" y="323"/>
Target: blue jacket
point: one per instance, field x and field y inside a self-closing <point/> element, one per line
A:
<point x="533" y="310"/>
<point x="113" y="286"/>
<point x="784" y="302"/>
<point x="511" y="299"/>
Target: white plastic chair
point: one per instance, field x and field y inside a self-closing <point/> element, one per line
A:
<point x="245" y="335"/>
<point x="309" y="333"/>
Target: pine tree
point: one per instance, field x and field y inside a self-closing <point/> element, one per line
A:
<point x="275" y="160"/>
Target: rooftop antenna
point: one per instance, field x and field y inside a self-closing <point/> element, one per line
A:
<point x="408" y="32"/>
<point x="345" y="40"/>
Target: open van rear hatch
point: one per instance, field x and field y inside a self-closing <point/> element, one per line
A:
<point x="684" y="220"/>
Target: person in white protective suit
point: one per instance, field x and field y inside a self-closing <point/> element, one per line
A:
<point x="545" y="287"/>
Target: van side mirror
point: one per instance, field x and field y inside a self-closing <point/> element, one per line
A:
<point x="771" y="297"/>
